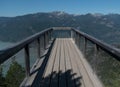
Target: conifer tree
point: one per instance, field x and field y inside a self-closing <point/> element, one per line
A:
<point x="15" y="74"/>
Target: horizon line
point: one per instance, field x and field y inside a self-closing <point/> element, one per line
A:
<point x="60" y="11"/>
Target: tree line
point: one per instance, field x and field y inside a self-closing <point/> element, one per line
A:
<point x="14" y="75"/>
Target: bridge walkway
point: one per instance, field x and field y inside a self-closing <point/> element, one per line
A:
<point x="60" y="62"/>
<point x="67" y="68"/>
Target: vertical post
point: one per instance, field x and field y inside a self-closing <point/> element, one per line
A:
<point x="71" y="34"/>
<point x="96" y="57"/>
<point x="50" y="34"/>
<point x="42" y="44"/>
<point x="79" y="41"/>
<point x="75" y="38"/>
<point x="27" y="60"/>
<point x="85" y="46"/>
<point x="47" y="37"/>
<point x="45" y="41"/>
<point x="38" y="48"/>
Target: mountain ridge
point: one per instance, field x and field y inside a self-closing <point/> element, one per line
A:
<point x="103" y="27"/>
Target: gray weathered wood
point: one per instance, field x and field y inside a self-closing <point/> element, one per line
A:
<point x="77" y="76"/>
<point x="69" y="71"/>
<point x="55" y="73"/>
<point x="62" y="78"/>
<point x="48" y="71"/>
<point x="90" y="78"/>
<point x="27" y="61"/>
<point x="66" y="68"/>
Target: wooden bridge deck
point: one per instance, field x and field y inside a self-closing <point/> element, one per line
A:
<point x="66" y="67"/>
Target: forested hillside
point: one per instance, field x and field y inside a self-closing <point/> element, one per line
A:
<point x="103" y="27"/>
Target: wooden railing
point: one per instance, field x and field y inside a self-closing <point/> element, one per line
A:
<point x="9" y="52"/>
<point x="76" y="35"/>
<point x="46" y="36"/>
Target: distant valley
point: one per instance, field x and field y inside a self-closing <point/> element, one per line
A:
<point x="103" y="27"/>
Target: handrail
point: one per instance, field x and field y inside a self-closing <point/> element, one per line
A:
<point x="104" y="46"/>
<point x="61" y="28"/>
<point x="7" y="53"/>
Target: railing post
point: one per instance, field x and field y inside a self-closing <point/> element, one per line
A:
<point x="27" y="60"/>
<point x="75" y="38"/>
<point x="44" y="41"/>
<point x="85" y="46"/>
<point x="47" y="37"/>
<point x="96" y="54"/>
<point x="50" y="34"/>
<point x="42" y="44"/>
<point x="79" y="40"/>
<point x="71" y="34"/>
<point x="38" y="48"/>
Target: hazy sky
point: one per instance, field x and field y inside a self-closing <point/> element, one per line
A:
<point x="20" y="7"/>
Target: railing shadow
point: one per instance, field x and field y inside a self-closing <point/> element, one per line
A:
<point x="61" y="79"/>
<point x="41" y="69"/>
<point x="45" y="56"/>
<point x="55" y="79"/>
<point x="66" y="79"/>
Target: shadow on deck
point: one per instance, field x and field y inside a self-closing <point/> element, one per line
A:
<point x="56" y="80"/>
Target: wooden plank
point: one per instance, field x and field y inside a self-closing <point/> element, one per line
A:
<point x="89" y="77"/>
<point x="86" y="78"/>
<point x="46" y="77"/>
<point x="37" y="68"/>
<point x="55" y="73"/>
<point x="62" y="78"/>
<point x="69" y="71"/>
<point x="81" y="81"/>
<point x="77" y="76"/>
<point x="65" y="68"/>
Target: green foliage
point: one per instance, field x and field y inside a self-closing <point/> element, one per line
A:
<point x="2" y="79"/>
<point x="110" y="71"/>
<point x="106" y="67"/>
<point x="15" y="75"/>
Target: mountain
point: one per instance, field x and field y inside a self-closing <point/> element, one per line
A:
<point x="103" y="27"/>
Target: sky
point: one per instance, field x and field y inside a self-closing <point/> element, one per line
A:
<point x="12" y="8"/>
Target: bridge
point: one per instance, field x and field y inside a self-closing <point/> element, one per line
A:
<point x="62" y="58"/>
